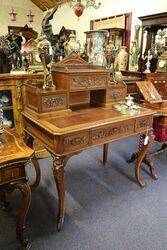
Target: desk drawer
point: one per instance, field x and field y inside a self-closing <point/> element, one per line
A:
<point x="144" y="123"/>
<point x="10" y="174"/>
<point x="113" y="132"/>
<point x="76" y="141"/>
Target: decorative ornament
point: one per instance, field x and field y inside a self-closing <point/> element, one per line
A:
<point x="72" y="45"/>
<point x="79" y="7"/>
<point x="129" y="101"/>
<point x="12" y="15"/>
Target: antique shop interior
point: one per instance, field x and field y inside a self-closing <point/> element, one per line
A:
<point x="83" y="127"/>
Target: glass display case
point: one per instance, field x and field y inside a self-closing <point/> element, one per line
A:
<point x="7" y="106"/>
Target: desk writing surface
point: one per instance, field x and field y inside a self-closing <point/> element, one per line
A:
<point x="84" y="119"/>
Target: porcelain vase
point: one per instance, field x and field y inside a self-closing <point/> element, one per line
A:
<point x="97" y="55"/>
<point x="122" y="59"/>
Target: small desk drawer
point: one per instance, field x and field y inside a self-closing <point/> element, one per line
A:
<point x="144" y="123"/>
<point x="9" y="174"/>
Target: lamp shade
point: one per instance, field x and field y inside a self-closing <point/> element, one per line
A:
<point x="12" y="15"/>
<point x="30" y="17"/>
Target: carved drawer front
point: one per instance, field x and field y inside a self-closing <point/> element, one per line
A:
<point x="56" y="102"/>
<point x="117" y="93"/>
<point x="87" y="82"/>
<point x="11" y="173"/>
<point x="112" y="132"/>
<point x="76" y="142"/>
<point x="144" y="123"/>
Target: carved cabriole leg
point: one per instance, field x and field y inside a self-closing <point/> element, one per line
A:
<point x="141" y="157"/>
<point x="26" y="192"/>
<point x="29" y="142"/>
<point x="105" y="153"/>
<point x="59" y="163"/>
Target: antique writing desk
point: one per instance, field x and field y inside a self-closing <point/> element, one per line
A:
<point x="50" y="117"/>
<point x="72" y="133"/>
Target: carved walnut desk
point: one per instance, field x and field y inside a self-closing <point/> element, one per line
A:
<point x="75" y="131"/>
<point x="14" y="155"/>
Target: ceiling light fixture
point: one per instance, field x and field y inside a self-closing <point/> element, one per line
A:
<point x="79" y="6"/>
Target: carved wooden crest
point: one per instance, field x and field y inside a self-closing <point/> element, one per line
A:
<point x="72" y="59"/>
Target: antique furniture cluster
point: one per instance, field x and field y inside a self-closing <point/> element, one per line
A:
<point x="76" y="104"/>
<point x="79" y="113"/>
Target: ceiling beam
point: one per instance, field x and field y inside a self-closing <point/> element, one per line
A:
<point x="46" y="4"/>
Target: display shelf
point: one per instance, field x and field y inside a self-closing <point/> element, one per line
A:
<point x="12" y="97"/>
<point x="6" y="98"/>
<point x="8" y="118"/>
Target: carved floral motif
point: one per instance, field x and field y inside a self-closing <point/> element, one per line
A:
<point x="74" y="141"/>
<point x="57" y="102"/>
<point x="118" y="94"/>
<point x="111" y="131"/>
<point x="87" y="82"/>
<point x="144" y="123"/>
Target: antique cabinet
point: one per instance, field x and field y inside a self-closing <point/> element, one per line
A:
<point x="12" y="97"/>
<point x="151" y="24"/>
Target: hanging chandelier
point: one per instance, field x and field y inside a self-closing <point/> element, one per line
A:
<point x="79" y="6"/>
